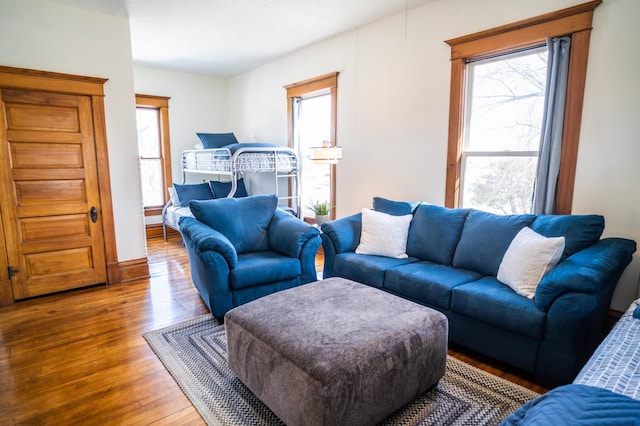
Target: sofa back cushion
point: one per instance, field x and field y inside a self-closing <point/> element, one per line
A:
<point x="579" y="231"/>
<point x="434" y="233"/>
<point x="485" y="239"/>
<point x="244" y="221"/>
<point x="395" y="208"/>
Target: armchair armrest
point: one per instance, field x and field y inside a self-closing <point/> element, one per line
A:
<point x="586" y="271"/>
<point x="344" y="233"/>
<point x="205" y="238"/>
<point x="288" y="234"/>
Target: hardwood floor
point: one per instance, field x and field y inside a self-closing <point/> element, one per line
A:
<point x="80" y="358"/>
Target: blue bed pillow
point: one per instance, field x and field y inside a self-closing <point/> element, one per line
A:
<point x="216" y="140"/>
<point x="485" y="239"/>
<point x="244" y="221"/>
<point x="579" y="231"/>
<point x="193" y="191"/>
<point x="434" y="233"/>
<point x="395" y="208"/>
<point x="222" y="189"/>
<point x="636" y="312"/>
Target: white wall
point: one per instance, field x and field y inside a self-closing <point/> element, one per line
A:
<point x="393" y="100"/>
<point x="198" y="104"/>
<point x="51" y="37"/>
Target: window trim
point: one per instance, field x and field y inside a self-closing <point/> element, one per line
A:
<point x="574" y="21"/>
<point x="160" y="103"/>
<point x="304" y="89"/>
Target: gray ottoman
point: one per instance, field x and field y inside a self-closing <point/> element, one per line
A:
<point x="336" y="352"/>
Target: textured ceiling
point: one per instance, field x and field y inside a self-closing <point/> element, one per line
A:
<point x="227" y="37"/>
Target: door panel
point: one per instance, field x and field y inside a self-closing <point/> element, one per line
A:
<point x="50" y="170"/>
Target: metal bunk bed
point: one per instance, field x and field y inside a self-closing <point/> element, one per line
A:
<point x="236" y="160"/>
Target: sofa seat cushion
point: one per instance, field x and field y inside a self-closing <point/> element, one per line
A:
<point x="254" y="269"/>
<point x="366" y="269"/>
<point x="434" y="233"/>
<point x="427" y="282"/>
<point x="492" y="302"/>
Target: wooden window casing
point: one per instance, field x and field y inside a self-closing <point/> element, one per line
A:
<point x="161" y="104"/>
<point x="575" y="22"/>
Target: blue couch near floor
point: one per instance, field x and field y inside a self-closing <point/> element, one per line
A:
<point x="241" y="249"/>
<point x="452" y="264"/>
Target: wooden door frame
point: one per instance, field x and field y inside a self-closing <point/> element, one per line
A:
<point x="27" y="79"/>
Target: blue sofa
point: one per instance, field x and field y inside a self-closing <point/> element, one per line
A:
<point x="241" y="249"/>
<point x="453" y="257"/>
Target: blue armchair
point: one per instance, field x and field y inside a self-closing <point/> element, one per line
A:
<point x="241" y="249"/>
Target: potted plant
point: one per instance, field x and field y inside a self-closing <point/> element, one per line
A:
<point x="321" y="210"/>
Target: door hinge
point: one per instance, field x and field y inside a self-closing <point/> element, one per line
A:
<point x="12" y="271"/>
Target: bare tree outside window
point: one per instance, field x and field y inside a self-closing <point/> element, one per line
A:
<point x="505" y="100"/>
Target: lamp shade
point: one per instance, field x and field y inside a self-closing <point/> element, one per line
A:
<point x="325" y="154"/>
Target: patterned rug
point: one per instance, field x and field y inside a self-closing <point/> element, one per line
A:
<point x="195" y="352"/>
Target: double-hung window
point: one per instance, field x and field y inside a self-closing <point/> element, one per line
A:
<point x="495" y="116"/>
<point x="501" y="137"/>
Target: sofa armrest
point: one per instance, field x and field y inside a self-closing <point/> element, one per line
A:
<point x="586" y="271"/>
<point x="205" y="238"/>
<point x="343" y="233"/>
<point x="288" y="234"/>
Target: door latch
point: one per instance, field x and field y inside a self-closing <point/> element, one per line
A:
<point x="93" y="213"/>
<point x="12" y="271"/>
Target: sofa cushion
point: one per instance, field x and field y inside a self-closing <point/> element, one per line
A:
<point x="384" y="234"/>
<point x="434" y="233"/>
<point x="396" y="208"/>
<point x="222" y="189"/>
<point x="244" y="221"/>
<point x="366" y="269"/>
<point x="528" y="258"/>
<point x="427" y="282"/>
<point x="254" y="269"/>
<point x="579" y="231"/>
<point x="192" y="191"/>
<point x="493" y="303"/>
<point x="485" y="238"/>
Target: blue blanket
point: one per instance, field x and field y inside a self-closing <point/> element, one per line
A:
<point x="578" y="405"/>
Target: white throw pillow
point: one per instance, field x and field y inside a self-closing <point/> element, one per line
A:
<point x="384" y="234"/>
<point x="529" y="256"/>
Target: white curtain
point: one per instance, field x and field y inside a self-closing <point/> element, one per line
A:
<point x="544" y="192"/>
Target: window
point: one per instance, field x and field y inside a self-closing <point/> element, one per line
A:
<point x="503" y="117"/>
<point x="152" y="116"/>
<point x="465" y="55"/>
<point x="311" y="106"/>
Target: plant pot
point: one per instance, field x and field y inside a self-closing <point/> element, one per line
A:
<point x="321" y="218"/>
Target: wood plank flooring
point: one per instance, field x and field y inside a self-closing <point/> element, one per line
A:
<point x="80" y="358"/>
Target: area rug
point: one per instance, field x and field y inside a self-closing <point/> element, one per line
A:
<point x="195" y="353"/>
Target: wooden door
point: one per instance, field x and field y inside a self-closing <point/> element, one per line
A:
<point x="53" y="241"/>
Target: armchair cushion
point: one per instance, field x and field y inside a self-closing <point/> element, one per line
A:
<point x="287" y="234"/>
<point x="244" y="221"/>
<point x="255" y="269"/>
<point x="204" y="239"/>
